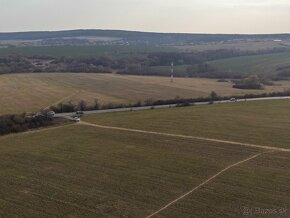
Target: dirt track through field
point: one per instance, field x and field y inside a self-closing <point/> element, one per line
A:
<point x="187" y="137"/>
<point x="268" y="148"/>
<point x="204" y="183"/>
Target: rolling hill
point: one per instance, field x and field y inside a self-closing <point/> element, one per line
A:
<point x="134" y="37"/>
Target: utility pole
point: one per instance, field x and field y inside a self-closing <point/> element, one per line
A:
<point x="172" y="71"/>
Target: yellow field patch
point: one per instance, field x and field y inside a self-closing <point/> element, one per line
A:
<point x="32" y="92"/>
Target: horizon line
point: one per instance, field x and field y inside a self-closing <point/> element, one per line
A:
<point x="141" y="31"/>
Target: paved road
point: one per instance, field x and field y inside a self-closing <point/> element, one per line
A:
<point x="164" y="106"/>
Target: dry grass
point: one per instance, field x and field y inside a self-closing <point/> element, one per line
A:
<point x="31" y="92"/>
<point x="20" y="93"/>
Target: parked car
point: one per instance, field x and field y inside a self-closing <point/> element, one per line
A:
<point x="233" y="100"/>
<point x="79" y="112"/>
<point x="76" y="119"/>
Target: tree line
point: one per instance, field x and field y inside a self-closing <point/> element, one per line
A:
<point x="213" y="96"/>
<point x="139" y="64"/>
<point x="22" y="122"/>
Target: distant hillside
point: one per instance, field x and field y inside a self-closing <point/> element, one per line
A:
<point x="133" y="37"/>
<point x="266" y="64"/>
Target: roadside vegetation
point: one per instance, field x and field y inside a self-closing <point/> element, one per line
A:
<point x="22" y="122"/>
<point x="213" y="96"/>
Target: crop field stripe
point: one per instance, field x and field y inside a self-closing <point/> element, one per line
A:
<point x="187" y="137"/>
<point x="63" y="202"/>
<point x="205" y="182"/>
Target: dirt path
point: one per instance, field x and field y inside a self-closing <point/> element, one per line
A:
<point x="204" y="183"/>
<point x="269" y="148"/>
<point x="186" y="137"/>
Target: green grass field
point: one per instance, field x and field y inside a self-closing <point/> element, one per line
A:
<point x="259" y="188"/>
<point x="262" y="122"/>
<point x="243" y="46"/>
<point x="258" y="64"/>
<point x="32" y="92"/>
<point x="83" y="171"/>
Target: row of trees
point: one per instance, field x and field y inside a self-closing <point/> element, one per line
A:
<point x="213" y="96"/>
<point x="251" y="82"/>
<point x="23" y="122"/>
<point x="72" y="107"/>
<point x="84" y="106"/>
<point x="11" y="64"/>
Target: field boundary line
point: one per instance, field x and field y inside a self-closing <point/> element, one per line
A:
<point x="62" y="100"/>
<point x="186" y="136"/>
<point x="205" y="182"/>
<point x="35" y="131"/>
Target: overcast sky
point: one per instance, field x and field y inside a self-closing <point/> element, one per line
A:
<point x="195" y="16"/>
